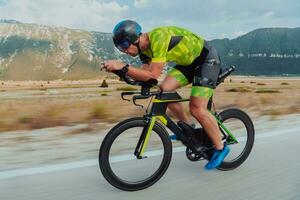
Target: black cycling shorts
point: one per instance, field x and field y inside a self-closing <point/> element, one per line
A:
<point x="204" y="71"/>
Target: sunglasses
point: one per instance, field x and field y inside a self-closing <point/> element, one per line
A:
<point x="123" y="45"/>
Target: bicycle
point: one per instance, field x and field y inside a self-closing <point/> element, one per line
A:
<point x="153" y="149"/>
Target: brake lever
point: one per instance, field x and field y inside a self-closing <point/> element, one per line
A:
<point x="139" y="97"/>
<point x="139" y="105"/>
<point x="128" y="93"/>
<point x="124" y="98"/>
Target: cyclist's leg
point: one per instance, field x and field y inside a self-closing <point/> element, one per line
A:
<point x="174" y="80"/>
<point x="204" y="83"/>
<point x="198" y="108"/>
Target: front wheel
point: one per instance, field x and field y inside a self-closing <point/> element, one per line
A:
<point x="121" y="168"/>
<point x="241" y="126"/>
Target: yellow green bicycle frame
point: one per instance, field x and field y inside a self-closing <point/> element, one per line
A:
<point x="157" y="114"/>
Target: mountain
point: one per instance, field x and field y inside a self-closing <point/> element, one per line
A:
<point x="267" y="51"/>
<point x="35" y="52"/>
<point x="38" y="52"/>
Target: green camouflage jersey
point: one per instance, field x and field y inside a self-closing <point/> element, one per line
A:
<point x="172" y="44"/>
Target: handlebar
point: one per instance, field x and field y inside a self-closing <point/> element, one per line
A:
<point x="124" y="77"/>
<point x="128" y="94"/>
<point x="150" y="83"/>
<point x="146" y="85"/>
<point x="139" y="96"/>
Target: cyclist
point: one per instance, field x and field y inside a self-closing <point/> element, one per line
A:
<point x="197" y="63"/>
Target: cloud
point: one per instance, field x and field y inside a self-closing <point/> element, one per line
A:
<point x="209" y="18"/>
<point x="141" y="3"/>
<point x="82" y="14"/>
<point x="239" y="33"/>
<point x="269" y="14"/>
<point x="217" y="18"/>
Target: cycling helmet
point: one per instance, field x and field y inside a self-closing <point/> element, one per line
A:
<point x="126" y="33"/>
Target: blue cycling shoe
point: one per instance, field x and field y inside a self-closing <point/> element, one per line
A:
<point x="217" y="158"/>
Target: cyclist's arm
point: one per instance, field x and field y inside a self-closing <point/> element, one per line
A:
<point x="145" y="67"/>
<point x="155" y="69"/>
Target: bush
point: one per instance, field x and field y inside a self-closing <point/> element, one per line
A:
<point x="267" y="91"/>
<point x="272" y="112"/>
<point x="98" y="112"/>
<point x="104" y="84"/>
<point x="239" y="89"/>
<point x="25" y="119"/>
<point x="284" y="83"/>
<point x="43" y="122"/>
<point x="260" y="84"/>
<point x="126" y="88"/>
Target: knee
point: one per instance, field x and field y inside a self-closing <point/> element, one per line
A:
<point x="163" y="88"/>
<point x="169" y="84"/>
<point x="166" y="88"/>
<point x="199" y="112"/>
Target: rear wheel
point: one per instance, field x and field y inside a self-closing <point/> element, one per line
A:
<point x="241" y="126"/>
<point x="119" y="165"/>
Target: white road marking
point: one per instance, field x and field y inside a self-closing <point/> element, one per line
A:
<point x="94" y="162"/>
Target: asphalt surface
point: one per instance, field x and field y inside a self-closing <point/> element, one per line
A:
<point x="272" y="171"/>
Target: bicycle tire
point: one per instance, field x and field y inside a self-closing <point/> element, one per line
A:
<point x="104" y="164"/>
<point x="246" y="120"/>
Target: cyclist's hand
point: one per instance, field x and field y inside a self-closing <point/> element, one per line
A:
<point x="113" y="65"/>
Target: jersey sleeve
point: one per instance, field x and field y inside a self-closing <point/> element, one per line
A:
<point x="159" y="45"/>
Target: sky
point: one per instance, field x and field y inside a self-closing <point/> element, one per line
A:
<point x="211" y="19"/>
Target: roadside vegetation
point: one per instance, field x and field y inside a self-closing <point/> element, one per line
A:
<point x="37" y="104"/>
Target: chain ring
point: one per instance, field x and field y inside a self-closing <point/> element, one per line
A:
<point x="191" y="155"/>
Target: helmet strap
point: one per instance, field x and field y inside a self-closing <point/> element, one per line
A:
<point x="137" y="44"/>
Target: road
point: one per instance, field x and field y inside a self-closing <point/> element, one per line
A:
<point x="272" y="171"/>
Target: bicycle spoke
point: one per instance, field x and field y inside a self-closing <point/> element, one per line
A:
<point x="125" y="164"/>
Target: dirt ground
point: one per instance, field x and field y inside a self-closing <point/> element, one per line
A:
<point x="39" y="104"/>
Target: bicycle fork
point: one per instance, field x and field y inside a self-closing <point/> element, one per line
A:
<point x="144" y="138"/>
<point x="146" y="133"/>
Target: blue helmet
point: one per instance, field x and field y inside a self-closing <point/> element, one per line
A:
<point x="126" y="33"/>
